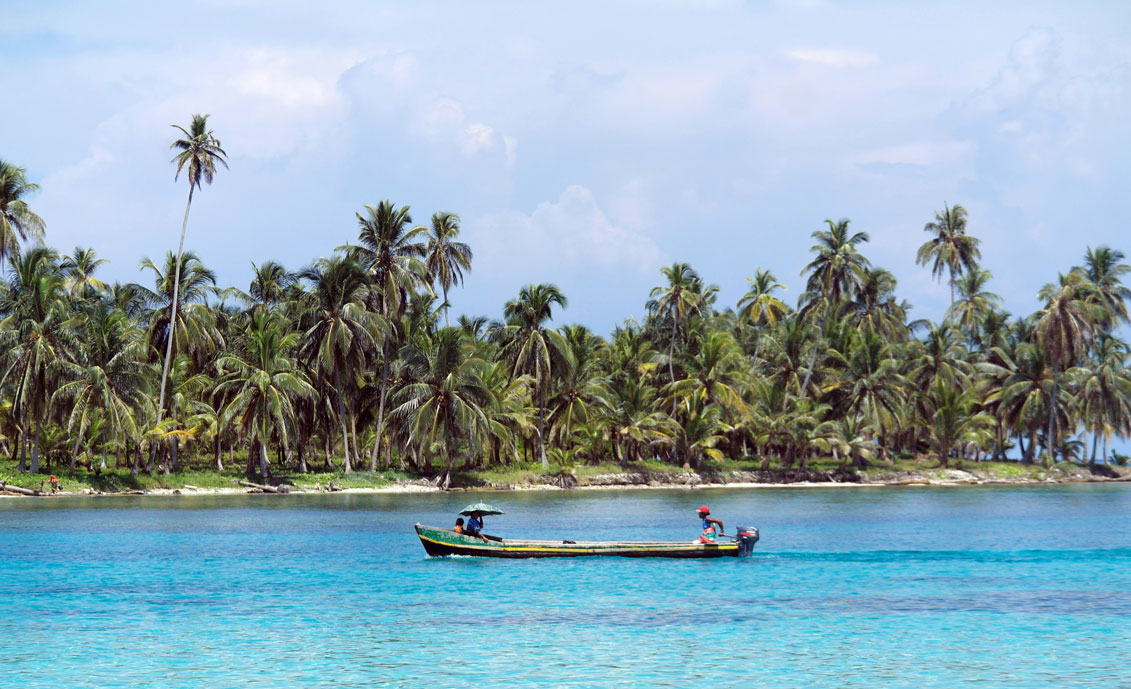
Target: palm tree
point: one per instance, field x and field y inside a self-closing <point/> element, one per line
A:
<point x="17" y="221"/>
<point x="1104" y="268"/>
<point x="79" y="269"/>
<point x="446" y="259"/>
<point x="263" y="384"/>
<point x="682" y="297"/>
<point x="581" y="388"/>
<point x="35" y="337"/>
<point x="269" y="284"/>
<point x="108" y="379"/>
<point x="200" y="151"/>
<point x="1064" y="332"/>
<point x="760" y="305"/>
<point x="445" y="402"/>
<point x="834" y="274"/>
<point x="339" y="329"/>
<point x="874" y="307"/>
<point x="952" y="418"/>
<point x="1105" y="392"/>
<point x="969" y="312"/>
<point x="951" y="250"/>
<point x="180" y="321"/>
<point x="531" y="347"/>
<point x="390" y="249"/>
<point x="870" y="384"/>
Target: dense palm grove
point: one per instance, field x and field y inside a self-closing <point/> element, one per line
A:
<point x="353" y="362"/>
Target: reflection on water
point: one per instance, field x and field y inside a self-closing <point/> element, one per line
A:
<point x="849" y="588"/>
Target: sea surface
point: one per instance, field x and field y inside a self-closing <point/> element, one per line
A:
<point x="857" y="587"/>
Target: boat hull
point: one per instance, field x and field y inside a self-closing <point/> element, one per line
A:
<point x="442" y="542"/>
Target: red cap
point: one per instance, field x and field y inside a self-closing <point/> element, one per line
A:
<point x="703" y="509"/>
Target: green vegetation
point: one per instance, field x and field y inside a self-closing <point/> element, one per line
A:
<point x="349" y="364"/>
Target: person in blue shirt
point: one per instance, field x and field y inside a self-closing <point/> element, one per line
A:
<point x="712" y="528"/>
<point x="475" y="526"/>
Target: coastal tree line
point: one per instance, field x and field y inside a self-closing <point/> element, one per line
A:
<point x="354" y="362"/>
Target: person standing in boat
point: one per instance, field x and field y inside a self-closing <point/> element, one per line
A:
<point x="475" y="526"/>
<point x="712" y="528"/>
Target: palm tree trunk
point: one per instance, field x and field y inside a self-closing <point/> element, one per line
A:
<point x="102" y="465"/>
<point x="35" y="447"/>
<point x="263" y="470"/>
<point x="1052" y="414"/>
<point x="1095" y="441"/>
<point x="173" y="309"/>
<point x="74" y="456"/>
<point x="381" y="402"/>
<point x="219" y="453"/>
<point x="447" y="323"/>
<point x="22" y="466"/>
<point x="342" y="419"/>
<point x="671" y="350"/>
<point x="541" y="440"/>
<point x="816" y="346"/>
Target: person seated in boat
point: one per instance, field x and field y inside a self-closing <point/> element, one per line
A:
<point x="712" y="528"/>
<point x="459" y="525"/>
<point x="475" y="525"/>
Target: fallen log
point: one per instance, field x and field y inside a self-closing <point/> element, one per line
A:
<point x="265" y="489"/>
<point x="17" y="489"/>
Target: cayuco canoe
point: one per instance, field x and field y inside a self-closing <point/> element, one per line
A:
<point x="439" y="542"/>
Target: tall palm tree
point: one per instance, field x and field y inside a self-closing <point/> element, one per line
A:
<point x="951" y="249"/>
<point x="445" y="402"/>
<point x="1105" y="269"/>
<point x="108" y="379"/>
<point x="1105" y="392"/>
<point x="1064" y="331"/>
<point x="874" y="306"/>
<point x="35" y="337"/>
<point x="79" y="269"/>
<point x="834" y="274"/>
<point x="975" y="301"/>
<point x="269" y="284"/>
<point x="581" y="387"/>
<point x="391" y="250"/>
<point x="678" y="300"/>
<point x="339" y="329"/>
<point x="446" y="259"/>
<point x="199" y="154"/>
<point x="263" y="384"/>
<point x="17" y="221"/>
<point x="760" y="305"/>
<point x="530" y="347"/>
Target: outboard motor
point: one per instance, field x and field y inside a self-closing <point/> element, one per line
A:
<point x="747" y="537"/>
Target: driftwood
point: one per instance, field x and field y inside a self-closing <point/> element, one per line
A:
<point x="17" y="489"/>
<point x="265" y="489"/>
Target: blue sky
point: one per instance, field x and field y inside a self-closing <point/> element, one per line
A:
<point x="583" y="143"/>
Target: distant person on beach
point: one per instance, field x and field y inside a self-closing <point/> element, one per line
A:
<point x="475" y="525"/>
<point x="54" y="481"/>
<point x="712" y="528"/>
<point x="459" y="525"/>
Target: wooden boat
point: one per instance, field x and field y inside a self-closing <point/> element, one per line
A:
<point x="439" y="542"/>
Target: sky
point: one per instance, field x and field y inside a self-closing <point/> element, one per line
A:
<point x="585" y="144"/>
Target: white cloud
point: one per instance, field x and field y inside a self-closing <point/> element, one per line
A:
<point x="573" y="229"/>
<point x="476" y="137"/>
<point x="925" y="153"/>
<point x="840" y="59"/>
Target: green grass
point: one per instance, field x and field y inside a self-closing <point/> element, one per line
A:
<point x="527" y="474"/>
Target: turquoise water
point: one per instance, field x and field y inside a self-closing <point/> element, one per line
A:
<point x="995" y="587"/>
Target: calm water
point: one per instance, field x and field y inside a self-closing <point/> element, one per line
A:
<point x="1017" y="587"/>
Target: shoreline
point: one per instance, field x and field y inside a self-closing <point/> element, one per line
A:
<point x="941" y="478"/>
